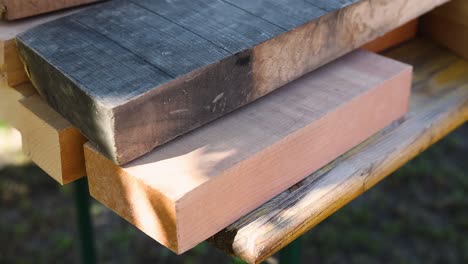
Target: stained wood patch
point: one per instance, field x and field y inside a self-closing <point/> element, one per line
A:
<point x="192" y="187"/>
<point x="132" y="75"/>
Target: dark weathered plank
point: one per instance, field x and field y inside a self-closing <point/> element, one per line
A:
<point x="162" y="43"/>
<point x="284" y="14"/>
<point x="132" y="75"/>
<point x="439" y="104"/>
<point x="229" y="27"/>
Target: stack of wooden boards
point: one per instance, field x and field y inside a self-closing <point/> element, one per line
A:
<point x="188" y="189"/>
<point x="181" y="64"/>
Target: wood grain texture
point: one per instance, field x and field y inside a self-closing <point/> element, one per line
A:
<point x="397" y="36"/>
<point x="198" y="61"/>
<point x="448" y="25"/>
<point x="51" y="141"/>
<point x="11" y="67"/>
<point x="210" y="177"/>
<point x="47" y="138"/>
<point x="438" y="105"/>
<point x="15" y="9"/>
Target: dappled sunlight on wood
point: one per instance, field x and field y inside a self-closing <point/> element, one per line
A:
<point x="10" y="148"/>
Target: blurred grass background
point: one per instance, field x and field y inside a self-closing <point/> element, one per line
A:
<point x="417" y="215"/>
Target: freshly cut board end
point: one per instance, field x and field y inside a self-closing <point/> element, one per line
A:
<point x="135" y="199"/>
<point x="50" y="141"/>
<point x="190" y="188"/>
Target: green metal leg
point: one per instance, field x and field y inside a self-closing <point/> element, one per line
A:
<point x="85" y="228"/>
<point x="291" y="254"/>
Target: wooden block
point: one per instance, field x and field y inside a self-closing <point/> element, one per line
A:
<point x="15" y="9"/>
<point x="50" y="141"/>
<point x="439" y="104"/>
<point x="189" y="62"/>
<point x="187" y="190"/>
<point x="11" y="67"/>
<point x="448" y="25"/>
<point x="397" y="36"/>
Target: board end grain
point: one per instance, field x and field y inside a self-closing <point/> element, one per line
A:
<point x="50" y="141"/>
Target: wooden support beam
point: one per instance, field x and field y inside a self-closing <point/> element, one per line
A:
<point x="192" y="187"/>
<point x="15" y="9"/>
<point x="204" y="59"/>
<point x="439" y="104"/>
<point x="448" y="25"/>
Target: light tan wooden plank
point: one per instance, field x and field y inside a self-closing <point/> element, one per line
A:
<point x="15" y="9"/>
<point x="448" y="25"/>
<point x="48" y="139"/>
<point x="192" y="187"/>
<point x="439" y="104"/>
<point x="51" y="141"/>
<point x="9" y="105"/>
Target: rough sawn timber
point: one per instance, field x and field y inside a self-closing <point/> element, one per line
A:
<point x="439" y="104"/>
<point x="192" y="187"/>
<point x="132" y="75"/>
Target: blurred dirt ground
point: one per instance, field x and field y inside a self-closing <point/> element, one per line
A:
<point x="417" y="215"/>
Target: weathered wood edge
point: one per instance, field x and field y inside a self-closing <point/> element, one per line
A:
<point x="11" y="68"/>
<point x="266" y="230"/>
